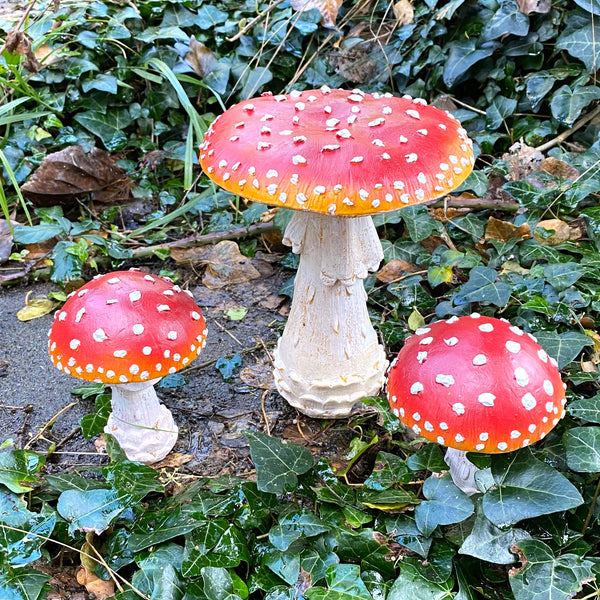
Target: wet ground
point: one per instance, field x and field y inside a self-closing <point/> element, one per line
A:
<point x="211" y="413"/>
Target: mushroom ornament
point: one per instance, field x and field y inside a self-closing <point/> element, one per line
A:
<point x="129" y="329"/>
<point x="336" y="157"/>
<point x="475" y="384"/>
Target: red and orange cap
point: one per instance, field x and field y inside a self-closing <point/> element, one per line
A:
<point x="337" y="152"/>
<point x="126" y="326"/>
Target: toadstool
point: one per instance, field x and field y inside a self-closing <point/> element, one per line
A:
<point x="330" y="154"/>
<point x="475" y="384"/>
<point x="129" y="329"/>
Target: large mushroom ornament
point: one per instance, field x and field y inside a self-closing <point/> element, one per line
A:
<point x="475" y="384"/>
<point x="335" y="156"/>
<point x="129" y="329"/>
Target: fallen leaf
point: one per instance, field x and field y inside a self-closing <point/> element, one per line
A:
<point x="95" y="585"/>
<point x="522" y="160"/>
<point x="393" y="270"/>
<point x="200" y="57"/>
<point x="404" y="12"/>
<point x="36" y="307"/>
<point x="561" y="232"/>
<point x="236" y="313"/>
<point x="225" y="265"/>
<point x="497" y="229"/>
<point x="70" y="173"/>
<point x="18" y="42"/>
<point x="6" y="240"/>
<point x="173" y="460"/>
<point x="530" y="6"/>
<point x="357" y="62"/>
<point x="328" y="8"/>
<point x="259" y="375"/>
<point x="559" y="168"/>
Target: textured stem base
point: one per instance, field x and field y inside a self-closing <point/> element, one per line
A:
<point x="328" y="357"/>
<point x="144" y="428"/>
<point x="462" y="471"/>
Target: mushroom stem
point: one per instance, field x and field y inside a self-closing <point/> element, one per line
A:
<point x="144" y="428"/>
<point x="328" y="357"/>
<point x="462" y="471"/>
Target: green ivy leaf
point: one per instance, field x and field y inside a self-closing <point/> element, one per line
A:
<point x="419" y="223"/>
<point x="94" y="424"/>
<point x="344" y="583"/>
<point x="428" y="458"/>
<point x="567" y="104"/>
<point x="586" y="409"/>
<point x="18" y="469"/>
<point x="582" y="446"/>
<point x="563" y="347"/>
<point x="546" y="577"/>
<point x="499" y="109"/>
<point x="293" y="526"/>
<point x="581" y="43"/>
<point x="490" y="543"/>
<point x="508" y="19"/>
<point x="462" y="55"/>
<point x="109" y="126"/>
<point x="445" y="504"/>
<point x="526" y="488"/>
<point x="482" y="287"/>
<point x="277" y="464"/>
<point x="24" y="234"/>
<point x="24" y="584"/>
<point x="410" y="584"/>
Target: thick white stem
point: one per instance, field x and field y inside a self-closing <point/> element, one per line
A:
<point x="144" y="428"/>
<point x="328" y="357"/>
<point x="462" y="471"/>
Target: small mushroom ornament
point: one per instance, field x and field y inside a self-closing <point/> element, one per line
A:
<point x="475" y="384"/>
<point x="129" y="329"/>
<point x="335" y="157"/>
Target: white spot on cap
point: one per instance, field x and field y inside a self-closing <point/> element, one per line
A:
<point x="134" y="369"/>
<point x="514" y="434"/>
<point x="486" y="327"/>
<point x="521" y="376"/>
<point x="74" y="344"/>
<point x="416" y="416"/>
<point x="413" y="113"/>
<point x="62" y="315"/>
<point x="146" y="350"/>
<point x="421" y="178"/>
<point x="163" y="307"/>
<point x="356" y="159"/>
<point x="532" y="428"/>
<point x="398" y="185"/>
<point x="138" y="329"/>
<point x="99" y="335"/>
<point x="479" y="446"/>
<point x="271" y="173"/>
<point x="421" y="356"/>
<point x="79" y="315"/>
<point x="120" y="353"/>
<point x="422" y="330"/>
<point x="446" y="380"/>
<point x="486" y="399"/>
<point x="402" y="139"/>
<point x="330" y="147"/>
<point x="89" y="368"/>
<point x="440" y="440"/>
<point x="458" y="408"/>
<point x="416" y="387"/>
<point x="113" y="280"/>
<point x="549" y="406"/>
<point x="543" y="356"/>
<point x="502" y="446"/>
<point x="479" y="360"/>
<point x="298" y="159"/>
<point x="548" y="387"/>
<point x="528" y="401"/>
<point x="319" y="189"/>
<point x="343" y="133"/>
<point x="378" y="142"/>
<point x="513" y="346"/>
<point x="426" y="341"/>
<point x="553" y="362"/>
<point x="459" y="438"/>
<point x="411" y="158"/>
<point x="428" y="426"/>
<point x="451" y="341"/>
<point x="301" y="198"/>
<point x="135" y="295"/>
<point x="172" y="335"/>
<point x="444" y="426"/>
<point x="376" y="122"/>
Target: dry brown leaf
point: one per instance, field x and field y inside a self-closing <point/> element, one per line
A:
<point x="497" y="229"/>
<point x="200" y="58"/>
<point x="328" y="8"/>
<point x="36" y="307"/>
<point x="225" y="265"/>
<point x="539" y="6"/>
<point x="562" y="232"/>
<point x="259" y="375"/>
<point x="173" y="460"/>
<point x="71" y="173"/>
<point x="95" y="585"/>
<point x="404" y="12"/>
<point x="393" y="270"/>
<point x="6" y="239"/>
<point x="522" y="160"/>
<point x="559" y="168"/>
<point x="18" y="42"/>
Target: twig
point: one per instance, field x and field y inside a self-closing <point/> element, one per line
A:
<point x="264" y="412"/>
<point x="565" y="134"/>
<point x="591" y="510"/>
<point x="48" y="424"/>
<point x="475" y="204"/>
<point x="62" y="442"/>
<point x="9" y="407"/>
<point x="20" y="23"/>
<point x="223" y="328"/>
<point x="250" y="24"/>
<point x="194" y="367"/>
<point x="21" y="433"/>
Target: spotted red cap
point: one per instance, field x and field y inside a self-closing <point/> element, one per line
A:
<point x="477" y="384"/>
<point x="336" y="151"/>
<point x="126" y="326"/>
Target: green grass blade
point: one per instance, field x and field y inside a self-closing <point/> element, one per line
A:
<point x="13" y="180"/>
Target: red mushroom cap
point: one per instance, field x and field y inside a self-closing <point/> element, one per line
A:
<point x="337" y="151"/>
<point x="126" y="326"/>
<point x="476" y="384"/>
